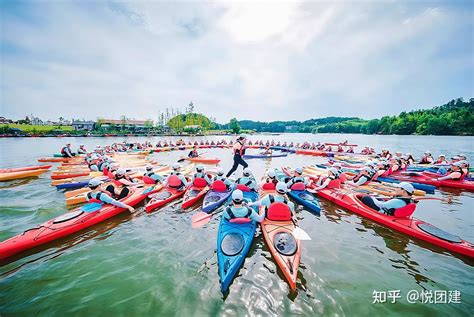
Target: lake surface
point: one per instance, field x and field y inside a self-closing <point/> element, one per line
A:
<point x="155" y="264"/>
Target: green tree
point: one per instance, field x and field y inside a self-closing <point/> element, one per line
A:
<point x="234" y="126"/>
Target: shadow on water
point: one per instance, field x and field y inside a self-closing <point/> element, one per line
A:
<point x="17" y="182"/>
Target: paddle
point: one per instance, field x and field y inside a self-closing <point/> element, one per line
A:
<point x="201" y="218"/>
<point x="181" y="160"/>
<point x="300" y="234"/>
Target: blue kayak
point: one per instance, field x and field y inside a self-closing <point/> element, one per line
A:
<point x="430" y="189"/>
<point x="72" y="185"/>
<point x="306" y="199"/>
<point x="264" y="156"/>
<point x="214" y="199"/>
<point x="233" y="244"/>
<point x="302" y="197"/>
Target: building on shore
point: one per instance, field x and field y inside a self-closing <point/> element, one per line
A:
<point x="125" y="124"/>
<point x="83" y="125"/>
<point x="4" y="120"/>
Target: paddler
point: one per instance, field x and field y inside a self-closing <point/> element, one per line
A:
<point x="455" y="173"/>
<point x="248" y="180"/>
<point x="401" y="198"/>
<point x="324" y="182"/>
<point x="362" y="178"/>
<point x="66" y="151"/>
<point x="157" y="178"/>
<point x="239" y="208"/>
<point x="221" y="177"/>
<point x="81" y="149"/>
<point x="267" y="151"/>
<point x="122" y="176"/>
<point x="410" y="159"/>
<point x="271" y="178"/>
<point x="426" y="158"/>
<point x="238" y="150"/>
<point x="201" y="174"/>
<point x="193" y="153"/>
<point x="279" y="196"/>
<point x="97" y="193"/>
<point x="177" y="172"/>
<point x="441" y="160"/>
<point x="297" y="178"/>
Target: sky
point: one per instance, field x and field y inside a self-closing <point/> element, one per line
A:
<point x="250" y="60"/>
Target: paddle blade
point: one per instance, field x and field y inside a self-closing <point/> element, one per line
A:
<point x="200" y="219"/>
<point x="300" y="234"/>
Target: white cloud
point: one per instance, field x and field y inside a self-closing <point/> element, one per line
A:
<point x="261" y="61"/>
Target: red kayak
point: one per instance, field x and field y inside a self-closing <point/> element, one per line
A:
<point x="67" y="224"/>
<point x="408" y="225"/>
<point x="69" y="175"/>
<point x="429" y="180"/>
<point x="28" y="168"/>
<point x="195" y="192"/>
<point x="163" y="197"/>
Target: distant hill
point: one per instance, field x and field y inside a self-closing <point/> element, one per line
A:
<point x="453" y="118"/>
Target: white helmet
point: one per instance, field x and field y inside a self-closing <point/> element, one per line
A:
<point x="149" y="167"/>
<point x="271" y="174"/>
<point x="121" y="171"/>
<point x="407" y="187"/>
<point x="247" y="172"/>
<point x="237" y="196"/>
<point x="333" y="170"/>
<point x="200" y="168"/>
<point x="220" y="172"/>
<point x="94" y="183"/>
<point x="176" y="166"/>
<point x="299" y="170"/>
<point x="281" y="188"/>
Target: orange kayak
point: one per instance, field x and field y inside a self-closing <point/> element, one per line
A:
<point x="284" y="247"/>
<point x="204" y="160"/>
<point x="21" y="174"/>
<point x="27" y="168"/>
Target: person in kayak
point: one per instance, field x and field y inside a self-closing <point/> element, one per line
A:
<point x="239" y="208"/>
<point x="297" y="178"/>
<point x="238" y="150"/>
<point x="157" y="178"/>
<point x="201" y="174"/>
<point x="441" y="160"/>
<point x="106" y="195"/>
<point x="330" y="181"/>
<point x="270" y="181"/>
<point x="81" y="149"/>
<point x="279" y="196"/>
<point x="426" y="158"/>
<point x="122" y="177"/>
<point x="455" y="173"/>
<point x="177" y="172"/>
<point x="66" y="151"/>
<point x="221" y="177"/>
<point x="267" y="151"/>
<point x="248" y="180"/>
<point x="193" y="153"/>
<point x="410" y="159"/>
<point x="402" y="197"/>
<point x="362" y="178"/>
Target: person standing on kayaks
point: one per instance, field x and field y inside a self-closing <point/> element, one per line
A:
<point x="239" y="151"/>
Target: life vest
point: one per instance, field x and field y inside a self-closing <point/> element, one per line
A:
<point x="219" y="186"/>
<point x="402" y="212"/>
<point x="241" y="150"/>
<point x="200" y="182"/>
<point x="63" y="150"/>
<point x="243" y="188"/>
<point x="147" y="178"/>
<point x="174" y="181"/>
<point x="268" y="186"/>
<point x="232" y="216"/>
<point x="95" y="199"/>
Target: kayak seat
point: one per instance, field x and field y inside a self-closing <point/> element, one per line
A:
<point x="268" y="186"/>
<point x="243" y="188"/>
<point x="148" y="180"/>
<point x="199" y="182"/>
<point x="219" y="186"/>
<point x="174" y="181"/>
<point x="405" y="212"/>
<point x="335" y="183"/>
<point x="279" y="211"/>
<point x="240" y="220"/>
<point x="298" y="186"/>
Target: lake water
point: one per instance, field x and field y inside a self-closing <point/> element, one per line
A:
<point x="155" y="264"/>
